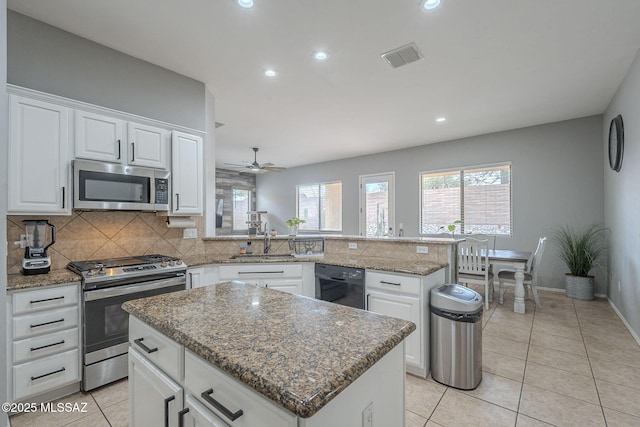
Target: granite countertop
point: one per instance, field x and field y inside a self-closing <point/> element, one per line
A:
<point x="17" y="282"/>
<point x="299" y="352"/>
<point x="373" y="263"/>
<point x="58" y="277"/>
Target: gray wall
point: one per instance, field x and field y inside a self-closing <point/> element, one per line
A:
<point x="622" y="201"/>
<point x="557" y="179"/>
<point x="3" y="207"/>
<point x="51" y="60"/>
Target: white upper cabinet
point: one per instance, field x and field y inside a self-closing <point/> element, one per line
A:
<point x="39" y="157"/>
<point x="187" y="174"/>
<point x="148" y="146"/>
<point x="98" y="137"/>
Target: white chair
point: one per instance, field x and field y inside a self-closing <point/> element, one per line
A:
<point x="530" y="274"/>
<point x="473" y="260"/>
<point x="491" y="240"/>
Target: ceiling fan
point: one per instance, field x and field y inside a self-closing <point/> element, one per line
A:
<point x="256" y="167"/>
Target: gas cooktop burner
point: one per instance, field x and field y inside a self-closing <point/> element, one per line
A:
<point x="102" y="270"/>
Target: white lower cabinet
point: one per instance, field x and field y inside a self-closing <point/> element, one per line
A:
<point x="405" y="307"/>
<point x="198" y="277"/>
<point x="230" y="400"/>
<point x="406" y="297"/>
<point x="154" y="398"/>
<point x="286" y="277"/>
<point x="211" y="397"/>
<point x="43" y="343"/>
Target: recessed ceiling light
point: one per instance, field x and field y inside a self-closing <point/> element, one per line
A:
<point x="246" y="3"/>
<point x="270" y="73"/>
<point x="430" y="4"/>
<point x="441" y="119"/>
<point x="320" y="55"/>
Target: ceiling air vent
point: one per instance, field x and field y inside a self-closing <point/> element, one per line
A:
<point x="403" y="55"/>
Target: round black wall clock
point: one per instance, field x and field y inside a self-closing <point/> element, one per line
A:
<point x="616" y="143"/>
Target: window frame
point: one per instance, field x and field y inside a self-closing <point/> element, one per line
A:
<point x="461" y="170"/>
<point x="321" y="229"/>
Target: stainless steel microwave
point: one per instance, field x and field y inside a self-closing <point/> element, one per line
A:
<point x="111" y="186"/>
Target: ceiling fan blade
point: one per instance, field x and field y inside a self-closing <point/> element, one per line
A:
<point x="274" y="169"/>
<point x="266" y="165"/>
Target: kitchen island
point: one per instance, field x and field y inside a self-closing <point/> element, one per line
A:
<point x="259" y="357"/>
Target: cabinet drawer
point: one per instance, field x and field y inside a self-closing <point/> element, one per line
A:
<point x="392" y="282"/>
<point x="165" y="353"/>
<point x="261" y="271"/>
<point x="43" y="345"/>
<point x="200" y="378"/>
<point x="32" y="324"/>
<point x="29" y="301"/>
<point x="46" y="374"/>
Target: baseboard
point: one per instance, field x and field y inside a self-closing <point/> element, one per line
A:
<point x="624" y="321"/>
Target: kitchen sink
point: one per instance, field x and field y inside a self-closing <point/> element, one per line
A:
<point x="263" y="256"/>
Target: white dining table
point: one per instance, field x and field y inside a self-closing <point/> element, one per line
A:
<point x="518" y="261"/>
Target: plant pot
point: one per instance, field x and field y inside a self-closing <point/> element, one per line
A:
<point x="578" y="287"/>
<point x="293" y="230"/>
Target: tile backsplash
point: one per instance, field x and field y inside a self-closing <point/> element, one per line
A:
<point x="100" y="235"/>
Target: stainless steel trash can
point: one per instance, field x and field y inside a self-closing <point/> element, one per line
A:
<point x="456" y="336"/>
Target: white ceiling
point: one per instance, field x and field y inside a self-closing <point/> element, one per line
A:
<point x="488" y="65"/>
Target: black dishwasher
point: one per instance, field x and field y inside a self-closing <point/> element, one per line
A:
<point x="341" y="285"/>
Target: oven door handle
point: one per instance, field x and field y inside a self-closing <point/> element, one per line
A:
<point x="132" y="289"/>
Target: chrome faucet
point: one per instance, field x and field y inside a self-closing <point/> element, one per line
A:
<point x="267" y="240"/>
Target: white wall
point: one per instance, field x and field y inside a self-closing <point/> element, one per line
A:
<point x="557" y="179"/>
<point x="622" y="200"/>
<point x="48" y="59"/>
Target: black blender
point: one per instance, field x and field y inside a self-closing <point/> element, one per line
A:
<point x="39" y="235"/>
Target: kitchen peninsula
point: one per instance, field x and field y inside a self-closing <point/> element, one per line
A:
<point x="263" y="358"/>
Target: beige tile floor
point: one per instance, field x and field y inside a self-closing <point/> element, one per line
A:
<point x="573" y="363"/>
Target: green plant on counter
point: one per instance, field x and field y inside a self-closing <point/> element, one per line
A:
<point x="295" y="221"/>
<point x="452" y="227"/>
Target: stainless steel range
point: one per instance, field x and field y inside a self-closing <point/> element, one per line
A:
<point x="106" y="285"/>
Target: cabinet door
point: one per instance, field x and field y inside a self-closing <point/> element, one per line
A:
<point x="406" y="308"/>
<point x="292" y="286"/>
<point x="154" y="398"/>
<point x="147" y="146"/>
<point x="195" y="278"/>
<point x="39" y="157"/>
<point x="187" y="165"/>
<point x="98" y="137"/>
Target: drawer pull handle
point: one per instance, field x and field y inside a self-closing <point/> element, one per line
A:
<point x="47" y="346"/>
<point x="144" y="347"/>
<point x="181" y="417"/>
<point x="206" y="395"/>
<point x="166" y="409"/>
<point x="46" y="375"/>
<point x="45" y="300"/>
<point x="48" y="323"/>
<point x="261" y="272"/>
<point x="390" y="283"/>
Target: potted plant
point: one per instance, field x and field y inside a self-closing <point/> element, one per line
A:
<point x="580" y="250"/>
<point x="452" y="227"/>
<point x="293" y="224"/>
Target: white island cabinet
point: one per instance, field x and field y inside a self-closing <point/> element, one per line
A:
<point x="406" y="296"/>
<point x="260" y="358"/>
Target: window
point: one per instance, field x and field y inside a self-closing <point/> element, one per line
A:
<point x="241" y="205"/>
<point x="479" y="197"/>
<point x="320" y="205"/>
